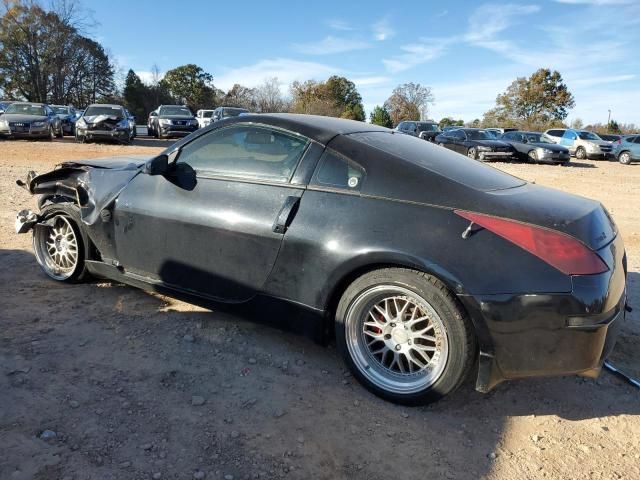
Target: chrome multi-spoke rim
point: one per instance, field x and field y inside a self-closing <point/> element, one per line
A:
<point x="56" y="247"/>
<point x="396" y="339"/>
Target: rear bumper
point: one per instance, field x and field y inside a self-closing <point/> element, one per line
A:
<point x="530" y="335"/>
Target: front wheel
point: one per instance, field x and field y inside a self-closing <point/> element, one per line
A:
<point x="59" y="245"/>
<point x="625" y="158"/>
<point x="532" y="156"/>
<point x="404" y="336"/>
<point x="472" y="153"/>
<point x="581" y="153"/>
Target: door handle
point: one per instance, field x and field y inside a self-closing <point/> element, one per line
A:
<point x="286" y="214"/>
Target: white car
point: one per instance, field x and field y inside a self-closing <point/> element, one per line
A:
<point x="555" y="134"/>
<point x="204" y="118"/>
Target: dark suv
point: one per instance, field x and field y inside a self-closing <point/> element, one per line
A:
<point x="171" y="121"/>
<point x="424" y="130"/>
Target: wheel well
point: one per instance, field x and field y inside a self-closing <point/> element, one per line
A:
<point x="349" y="278"/>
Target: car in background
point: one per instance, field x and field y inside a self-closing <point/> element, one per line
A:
<point x="426" y="130"/>
<point x="30" y="120"/>
<point x="67" y="116"/>
<point x="584" y="144"/>
<point x="500" y="131"/>
<point x="132" y="123"/>
<point x="104" y="122"/>
<point x="172" y="121"/>
<point x="452" y="127"/>
<point x="221" y="113"/>
<point x="204" y="117"/>
<point x="475" y="271"/>
<point x="611" y="138"/>
<point x="4" y="104"/>
<point x="555" y="134"/>
<point x="535" y="147"/>
<point x="477" y="144"/>
<point x="628" y="149"/>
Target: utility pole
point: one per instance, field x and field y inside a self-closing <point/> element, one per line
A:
<point x="609" y="119"/>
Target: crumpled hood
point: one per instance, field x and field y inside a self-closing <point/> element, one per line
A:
<point x="130" y="162"/>
<point x="93" y="119"/>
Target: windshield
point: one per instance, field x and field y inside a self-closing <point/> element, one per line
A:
<point x="588" y="136"/>
<point x="104" y="110"/>
<point x="233" y="112"/>
<point x="493" y="134"/>
<point x="207" y="114"/>
<point x="61" y="110"/>
<point x="428" y="127"/>
<point x="184" y="111"/>
<point x="478" y="135"/>
<point x="26" y="109"/>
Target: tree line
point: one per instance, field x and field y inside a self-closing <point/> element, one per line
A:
<point x="46" y="57"/>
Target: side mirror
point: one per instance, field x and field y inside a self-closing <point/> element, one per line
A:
<point x="153" y="114"/>
<point x="157" y="166"/>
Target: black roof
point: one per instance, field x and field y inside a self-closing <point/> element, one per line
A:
<point x="316" y="127"/>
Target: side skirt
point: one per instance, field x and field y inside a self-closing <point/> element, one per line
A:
<point x="263" y="309"/>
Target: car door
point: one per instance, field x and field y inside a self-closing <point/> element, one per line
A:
<point x="568" y="140"/>
<point x="459" y="142"/>
<point x="215" y="225"/>
<point x="517" y="141"/>
<point x="635" y="148"/>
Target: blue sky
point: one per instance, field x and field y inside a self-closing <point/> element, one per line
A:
<point x="466" y="51"/>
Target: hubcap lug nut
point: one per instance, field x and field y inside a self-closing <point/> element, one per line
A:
<point x="409" y="342"/>
<point x="393" y="325"/>
<point x="398" y="347"/>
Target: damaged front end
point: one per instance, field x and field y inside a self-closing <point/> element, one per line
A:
<point x="92" y="186"/>
<point x="104" y="127"/>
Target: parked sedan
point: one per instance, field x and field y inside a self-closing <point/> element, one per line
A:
<point x="29" y="120"/>
<point x="221" y="113"/>
<point x="104" y="122"/>
<point x="535" y="147"/>
<point x="172" y="121"/>
<point x="476" y="144"/>
<point x="424" y="130"/>
<point x="423" y="261"/>
<point x="67" y="116"/>
<point x="628" y="149"/>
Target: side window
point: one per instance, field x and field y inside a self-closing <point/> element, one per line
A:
<point x="636" y="140"/>
<point x="459" y="135"/>
<point x="245" y="151"/>
<point x="510" y="136"/>
<point x="336" y="171"/>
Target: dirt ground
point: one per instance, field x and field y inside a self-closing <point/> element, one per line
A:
<point x="103" y="381"/>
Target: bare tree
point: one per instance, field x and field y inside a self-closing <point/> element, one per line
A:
<point x="269" y="97"/>
<point x="409" y="101"/>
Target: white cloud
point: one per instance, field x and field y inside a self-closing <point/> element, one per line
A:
<point x="382" y="30"/>
<point x="423" y="51"/>
<point x="369" y="81"/>
<point x="338" y="24"/>
<point x="147" y="76"/>
<point x="287" y="71"/>
<point x="489" y="20"/>
<point x="330" y="45"/>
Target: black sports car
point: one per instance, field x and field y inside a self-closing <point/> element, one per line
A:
<point x="535" y="147"/>
<point x="423" y="261"/>
<point x="476" y="143"/>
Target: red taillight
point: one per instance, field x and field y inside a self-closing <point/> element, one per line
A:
<point x="559" y="250"/>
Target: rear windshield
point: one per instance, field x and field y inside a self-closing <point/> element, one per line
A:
<point x="109" y="111"/>
<point x="233" y="112"/>
<point x="207" y="114"/>
<point x="61" y="110"/>
<point x="26" y="109"/>
<point x="176" y="111"/>
<point x="440" y="161"/>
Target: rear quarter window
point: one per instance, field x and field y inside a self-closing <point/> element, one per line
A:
<point x="440" y="161"/>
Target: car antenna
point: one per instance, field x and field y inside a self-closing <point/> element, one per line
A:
<point x="467" y="233"/>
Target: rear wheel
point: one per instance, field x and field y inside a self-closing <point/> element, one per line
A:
<point x="60" y="133"/>
<point x="59" y="245"/>
<point x="404" y="336"/>
<point x="581" y="153"/>
<point x="624" y="158"/>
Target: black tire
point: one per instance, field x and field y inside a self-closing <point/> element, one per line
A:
<point x="581" y="153"/>
<point x="532" y="156"/>
<point x="70" y="212"/>
<point x="156" y="132"/>
<point x="60" y="133"/>
<point x="460" y="337"/>
<point x="52" y="133"/>
<point x="625" y="158"/>
<point x="80" y="138"/>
